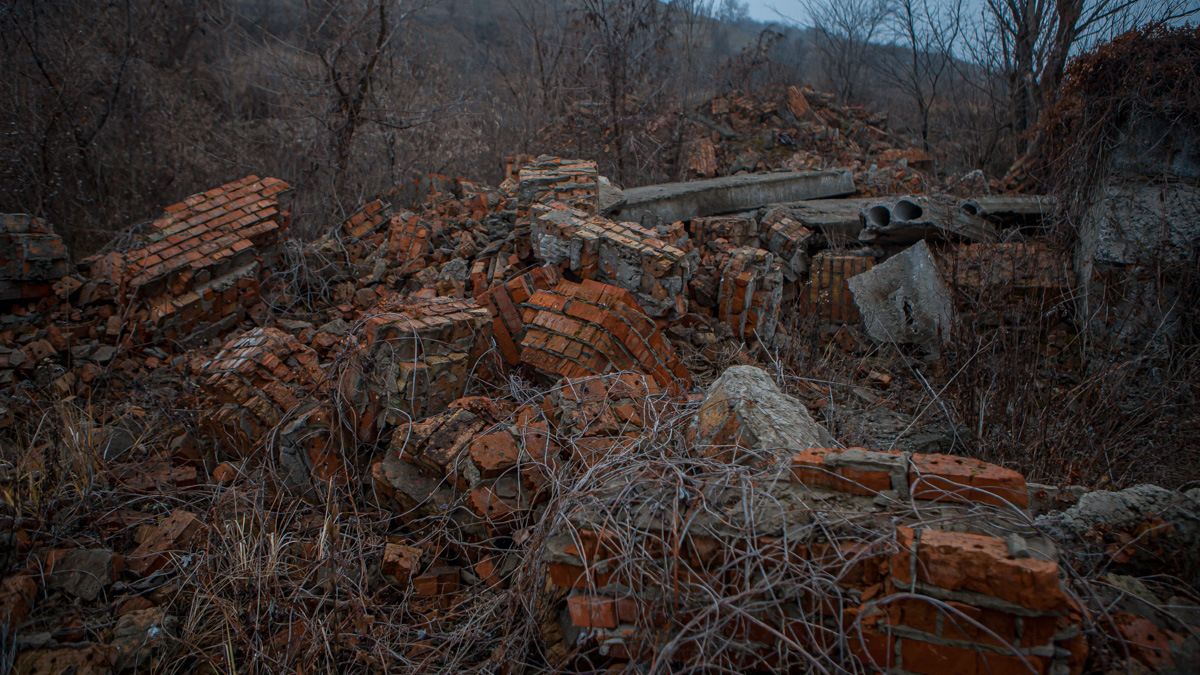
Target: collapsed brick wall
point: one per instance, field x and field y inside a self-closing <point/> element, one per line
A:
<point x="195" y="272"/>
<point x="32" y="258"/>
<point x="419" y="355"/>
<point x="622" y="254"/>
<point x="504" y="303"/>
<point x="590" y="328"/>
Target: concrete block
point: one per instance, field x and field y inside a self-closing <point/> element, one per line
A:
<point x="904" y="300"/>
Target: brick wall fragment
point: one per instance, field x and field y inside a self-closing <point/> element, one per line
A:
<point x="195" y="272"/>
<point x="261" y="386"/>
<point x="504" y="302"/>
<point x="827" y="295"/>
<point x="750" y="294"/>
<point x="574" y="182"/>
<point x="422" y="353"/>
<point x="32" y="258"/>
<point x="589" y="328"/>
<point x="622" y="254"/>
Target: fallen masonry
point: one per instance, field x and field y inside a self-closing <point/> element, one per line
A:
<point x="529" y="393"/>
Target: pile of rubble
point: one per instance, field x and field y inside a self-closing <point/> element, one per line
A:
<point x="504" y="371"/>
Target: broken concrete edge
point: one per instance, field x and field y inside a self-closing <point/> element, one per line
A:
<point x="654" y="204"/>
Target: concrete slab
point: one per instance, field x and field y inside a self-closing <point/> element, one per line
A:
<point x="652" y="205"/>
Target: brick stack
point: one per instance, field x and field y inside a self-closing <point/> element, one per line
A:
<point x="504" y="302"/>
<point x="827" y="295"/>
<point x="735" y="231"/>
<point x="423" y="352"/>
<point x="599" y="415"/>
<point x="789" y="239"/>
<point x="195" y="272"/>
<point x="251" y="386"/>
<point x="573" y="182"/>
<point x="32" y="258"/>
<point x="589" y="328"/>
<point x="622" y="254"/>
<point x="750" y="293"/>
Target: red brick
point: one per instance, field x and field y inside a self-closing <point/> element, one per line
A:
<point x="494" y="453"/>
<point x="592" y="611"/>
<point x="965" y="479"/>
<point x="957" y="561"/>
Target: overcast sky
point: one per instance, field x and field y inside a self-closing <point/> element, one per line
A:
<point x="763" y="9"/>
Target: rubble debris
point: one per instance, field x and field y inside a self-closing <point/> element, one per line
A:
<point x="653" y="205"/>
<point x="195" y="271"/>
<point x="622" y="254"/>
<point x="912" y="219"/>
<point x="923" y="597"/>
<point x="597" y="416"/>
<point x="589" y="328"/>
<point x="1144" y="527"/>
<point x="744" y="415"/>
<point x="904" y="300"/>
<point x="33" y="258"/>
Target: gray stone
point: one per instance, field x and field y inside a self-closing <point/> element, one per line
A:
<point x="745" y="410"/>
<point x="1079" y="529"/>
<point x="83" y="573"/>
<point x="654" y="204"/>
<point x="904" y="300"/>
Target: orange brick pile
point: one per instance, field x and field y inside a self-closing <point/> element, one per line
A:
<point x="622" y="254"/>
<point x="32" y="258"/>
<point x="195" y="272"/>
<point x="590" y="328"/>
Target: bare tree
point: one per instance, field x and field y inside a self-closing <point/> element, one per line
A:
<point x="926" y="34"/>
<point x="844" y="31"/>
<point x="1030" y="41"/>
<point x="629" y="39"/>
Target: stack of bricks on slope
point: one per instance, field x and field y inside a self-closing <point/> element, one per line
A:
<point x="195" y="272"/>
